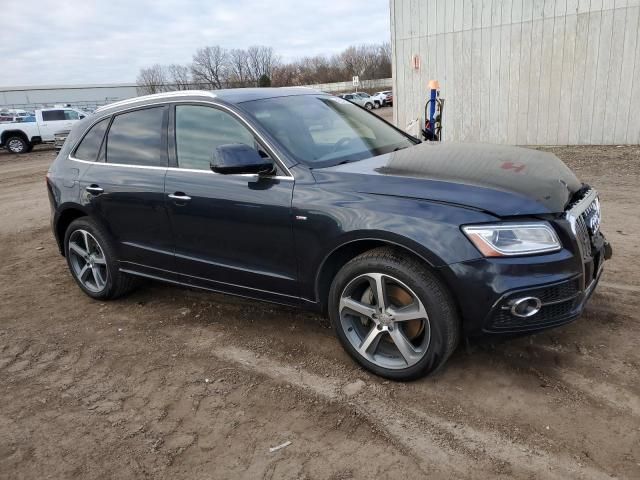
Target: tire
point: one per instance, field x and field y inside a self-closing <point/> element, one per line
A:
<point x="377" y="104"/>
<point x="18" y="145"/>
<point x="92" y="261"/>
<point x="368" y="106"/>
<point x="433" y="335"/>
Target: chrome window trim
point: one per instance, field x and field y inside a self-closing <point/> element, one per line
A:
<point x="277" y="158"/>
<point x="177" y="169"/>
<point x="164" y="95"/>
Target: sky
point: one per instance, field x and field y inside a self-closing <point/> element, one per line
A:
<point x="45" y="42"/>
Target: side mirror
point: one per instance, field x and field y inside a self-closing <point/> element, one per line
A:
<point x="81" y="117"/>
<point x="239" y="158"/>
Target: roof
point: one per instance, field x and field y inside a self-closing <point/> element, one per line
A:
<point x="230" y="95"/>
<point x="239" y="95"/>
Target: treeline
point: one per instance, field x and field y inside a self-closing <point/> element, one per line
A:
<point x="259" y="66"/>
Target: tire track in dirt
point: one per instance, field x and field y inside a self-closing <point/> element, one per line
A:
<point x="597" y="391"/>
<point x="447" y="448"/>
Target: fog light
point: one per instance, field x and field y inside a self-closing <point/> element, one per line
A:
<point x="525" y="307"/>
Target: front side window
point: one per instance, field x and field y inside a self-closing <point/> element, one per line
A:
<point x="71" y="115"/>
<point x="90" y="145"/>
<point x="53" y="115"/>
<point x="135" y="138"/>
<point x="200" y="130"/>
<point x="322" y="130"/>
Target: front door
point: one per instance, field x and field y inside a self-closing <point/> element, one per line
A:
<point x="231" y="232"/>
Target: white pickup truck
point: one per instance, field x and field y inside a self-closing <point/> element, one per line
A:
<point x="20" y="137"/>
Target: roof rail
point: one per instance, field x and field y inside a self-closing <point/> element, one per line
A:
<point x="180" y="93"/>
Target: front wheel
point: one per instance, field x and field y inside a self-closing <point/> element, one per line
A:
<point x="18" y="145"/>
<point x="369" y="106"/>
<point x="92" y="261"/>
<point x="392" y="315"/>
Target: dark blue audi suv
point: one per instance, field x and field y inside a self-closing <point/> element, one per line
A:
<point x="301" y="198"/>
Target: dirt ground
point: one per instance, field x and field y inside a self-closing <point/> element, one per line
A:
<point x="180" y="384"/>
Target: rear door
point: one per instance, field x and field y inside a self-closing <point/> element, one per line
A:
<point x="125" y="187"/>
<point x="231" y="232"/>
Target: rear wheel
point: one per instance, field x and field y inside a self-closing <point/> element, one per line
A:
<point x="92" y="261"/>
<point x="17" y="145"/>
<point x="392" y="315"/>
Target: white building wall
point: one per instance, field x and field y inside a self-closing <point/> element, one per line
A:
<point x="526" y="72"/>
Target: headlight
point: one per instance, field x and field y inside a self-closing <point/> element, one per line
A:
<point x="507" y="239"/>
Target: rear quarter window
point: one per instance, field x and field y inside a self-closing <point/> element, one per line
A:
<point x="89" y="147"/>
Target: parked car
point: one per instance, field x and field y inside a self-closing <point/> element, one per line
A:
<point x="383" y="98"/>
<point x="359" y="100"/>
<point x="20" y="137"/>
<point x="368" y="98"/>
<point x="301" y="198"/>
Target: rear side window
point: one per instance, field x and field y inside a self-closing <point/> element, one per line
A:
<point x="53" y="115"/>
<point x="135" y="138"/>
<point x="90" y="145"/>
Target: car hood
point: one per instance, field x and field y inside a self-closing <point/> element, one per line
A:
<point x="502" y="180"/>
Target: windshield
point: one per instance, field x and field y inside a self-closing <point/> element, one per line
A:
<point x="323" y="131"/>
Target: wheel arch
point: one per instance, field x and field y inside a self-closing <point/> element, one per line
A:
<point x="350" y="249"/>
<point x="13" y="133"/>
<point x="62" y="222"/>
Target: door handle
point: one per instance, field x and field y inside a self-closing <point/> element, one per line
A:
<point x="94" y="190"/>
<point x="179" y="196"/>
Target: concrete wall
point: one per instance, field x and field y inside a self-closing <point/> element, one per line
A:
<point x="550" y="72"/>
<point x="83" y="96"/>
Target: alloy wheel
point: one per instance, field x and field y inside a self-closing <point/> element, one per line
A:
<point x="87" y="261"/>
<point x="15" y="145"/>
<point x="385" y="321"/>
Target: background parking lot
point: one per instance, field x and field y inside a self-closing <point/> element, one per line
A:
<point x="175" y="383"/>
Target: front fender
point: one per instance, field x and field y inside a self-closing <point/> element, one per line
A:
<point x="429" y="229"/>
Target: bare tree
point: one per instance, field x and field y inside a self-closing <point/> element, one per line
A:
<point x="214" y="67"/>
<point x="285" y="75"/>
<point x="361" y="60"/>
<point x="384" y="67"/>
<point x="239" y="67"/>
<point x="261" y="61"/>
<point x="152" y="80"/>
<point x="209" y="67"/>
<point x="179" y="77"/>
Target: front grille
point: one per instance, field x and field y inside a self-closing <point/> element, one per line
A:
<point x="578" y="215"/>
<point x="583" y="237"/>
<point x="555" y="293"/>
